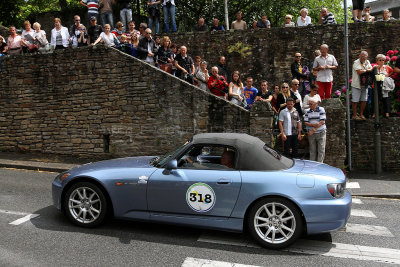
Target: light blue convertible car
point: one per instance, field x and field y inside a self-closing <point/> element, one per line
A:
<point x="224" y="181"/>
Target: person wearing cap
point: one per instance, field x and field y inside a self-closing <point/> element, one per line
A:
<point x="288" y="21"/>
<point x="92" y="6"/>
<point x="106" y="12"/>
<point x="290" y="128"/>
<point x="94" y="30"/>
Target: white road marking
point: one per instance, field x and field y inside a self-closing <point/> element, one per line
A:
<point x="348" y="251"/>
<point x="231" y="241"/>
<point x="24" y="219"/>
<point x="368" y="229"/>
<point x="352" y="185"/>
<point x="338" y="250"/>
<point x="13" y="212"/>
<point x="362" y="213"/>
<point x="193" y="262"/>
<point x="356" y="201"/>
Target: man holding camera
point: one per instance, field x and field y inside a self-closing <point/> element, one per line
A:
<point x="217" y="83"/>
<point x="184" y="66"/>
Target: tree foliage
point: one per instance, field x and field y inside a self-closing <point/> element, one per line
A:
<point x="187" y="11"/>
<point x="16" y="11"/>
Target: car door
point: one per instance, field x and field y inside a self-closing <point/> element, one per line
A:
<point x="201" y="189"/>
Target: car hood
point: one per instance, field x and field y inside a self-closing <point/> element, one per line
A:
<point x="131" y="162"/>
<point x="317" y="168"/>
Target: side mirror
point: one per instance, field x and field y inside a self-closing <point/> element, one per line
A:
<point x="171" y="165"/>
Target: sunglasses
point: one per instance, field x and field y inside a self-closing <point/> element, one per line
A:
<point x="285" y="86"/>
<point x="298" y="56"/>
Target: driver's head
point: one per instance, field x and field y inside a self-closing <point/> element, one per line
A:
<point x="227" y="158"/>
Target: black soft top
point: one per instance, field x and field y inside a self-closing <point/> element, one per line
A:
<point x="254" y="154"/>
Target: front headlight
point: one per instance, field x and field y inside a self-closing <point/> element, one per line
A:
<point x="61" y="177"/>
<point x="337" y="190"/>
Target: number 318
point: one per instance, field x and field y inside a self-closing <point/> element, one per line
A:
<point x="193" y="198"/>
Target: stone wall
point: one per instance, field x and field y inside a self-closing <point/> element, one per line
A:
<point x="273" y="49"/>
<point x="98" y="101"/>
<point x="363" y="146"/>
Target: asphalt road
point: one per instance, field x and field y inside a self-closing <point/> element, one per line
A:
<point x="50" y="240"/>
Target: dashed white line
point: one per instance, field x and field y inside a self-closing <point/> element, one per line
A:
<point x="362" y="213"/>
<point x="338" y="250"/>
<point x="27" y="216"/>
<point x="352" y="185"/>
<point x="194" y="262"/>
<point x="368" y="229"/>
<point x="13" y="212"/>
<point x="24" y="219"/>
<point x="357" y="201"/>
<point x="349" y="251"/>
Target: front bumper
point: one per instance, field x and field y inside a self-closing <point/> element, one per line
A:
<point x="56" y="191"/>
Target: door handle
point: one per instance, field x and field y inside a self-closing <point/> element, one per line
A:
<point x="224" y="181"/>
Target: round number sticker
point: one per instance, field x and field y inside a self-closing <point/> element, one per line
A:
<point x="200" y="197"/>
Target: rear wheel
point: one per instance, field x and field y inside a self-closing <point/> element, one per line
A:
<point x="85" y="204"/>
<point x="275" y="223"/>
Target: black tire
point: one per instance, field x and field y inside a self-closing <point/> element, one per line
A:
<point x="275" y="230"/>
<point x="85" y="204"/>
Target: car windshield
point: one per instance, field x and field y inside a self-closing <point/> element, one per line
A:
<point x="160" y="161"/>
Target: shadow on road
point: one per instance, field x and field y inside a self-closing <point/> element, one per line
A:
<point x="51" y="219"/>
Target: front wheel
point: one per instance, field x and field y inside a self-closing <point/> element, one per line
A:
<point x="85" y="204"/>
<point x="275" y="223"/>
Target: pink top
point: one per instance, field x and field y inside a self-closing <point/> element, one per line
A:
<point x="15" y="42"/>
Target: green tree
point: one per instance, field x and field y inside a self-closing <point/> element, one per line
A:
<point x="9" y="12"/>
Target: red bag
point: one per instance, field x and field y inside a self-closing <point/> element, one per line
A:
<point x="33" y="48"/>
<point x="166" y="67"/>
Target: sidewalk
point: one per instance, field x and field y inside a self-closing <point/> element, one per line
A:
<point x="385" y="185"/>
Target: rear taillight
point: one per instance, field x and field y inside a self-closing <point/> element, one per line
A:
<point x="337" y="190"/>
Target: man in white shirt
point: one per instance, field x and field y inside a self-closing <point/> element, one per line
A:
<point x="359" y="90"/>
<point x="239" y="24"/>
<point x="324" y="64"/>
<point x="290" y="128"/>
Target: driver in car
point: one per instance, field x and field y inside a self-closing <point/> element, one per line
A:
<point x="227" y="160"/>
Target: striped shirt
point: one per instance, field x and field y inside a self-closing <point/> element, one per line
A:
<point x="93" y="5"/>
<point x="315" y="116"/>
<point x="329" y="19"/>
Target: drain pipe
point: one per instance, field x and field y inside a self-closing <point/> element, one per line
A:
<point x="377" y="137"/>
<point x="346" y="52"/>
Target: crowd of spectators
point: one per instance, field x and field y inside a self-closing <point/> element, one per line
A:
<point x="293" y="103"/>
<point x="32" y="40"/>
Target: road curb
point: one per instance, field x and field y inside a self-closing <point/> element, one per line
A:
<point x="36" y="167"/>
<point x="377" y="195"/>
